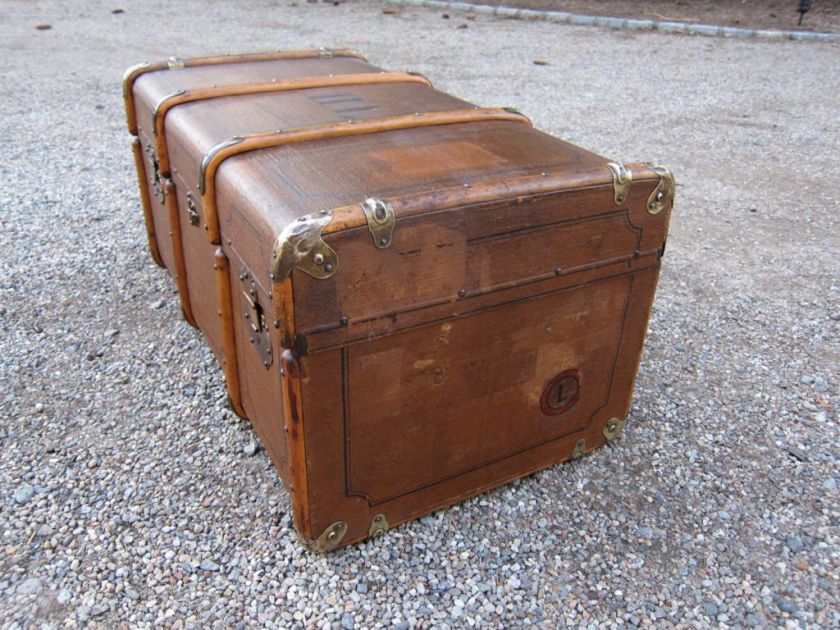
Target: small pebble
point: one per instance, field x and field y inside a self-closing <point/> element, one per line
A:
<point x="29" y="586"/>
<point x="24" y="493"/>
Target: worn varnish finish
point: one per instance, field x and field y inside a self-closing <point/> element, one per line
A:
<point x="480" y="319"/>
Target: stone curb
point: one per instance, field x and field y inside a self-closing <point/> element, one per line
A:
<point x="625" y="24"/>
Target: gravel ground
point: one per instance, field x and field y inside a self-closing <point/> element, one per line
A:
<point x="130" y="496"/>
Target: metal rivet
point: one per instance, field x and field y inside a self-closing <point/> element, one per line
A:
<point x="343" y="320"/>
<point x="283" y="373"/>
<point x="277" y="323"/>
<point x="319" y="258"/>
<point x="462" y="292"/>
<point x="383" y="240"/>
<point x="328" y="267"/>
<point x="558" y="270"/>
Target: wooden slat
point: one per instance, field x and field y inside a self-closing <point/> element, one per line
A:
<point x="180" y="271"/>
<point x="243" y="144"/>
<point x="300" y="83"/>
<point x="132" y="74"/>
<point x="230" y="363"/>
<point x="146" y="201"/>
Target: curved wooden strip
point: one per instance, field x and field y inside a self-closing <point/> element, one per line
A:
<point x="230" y="362"/>
<point x="146" y="202"/>
<point x="300" y="83"/>
<point x="134" y="72"/>
<point x="487" y="190"/>
<point x="180" y="271"/>
<point x="243" y="144"/>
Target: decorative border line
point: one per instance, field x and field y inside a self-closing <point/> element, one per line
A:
<point x="623" y="24"/>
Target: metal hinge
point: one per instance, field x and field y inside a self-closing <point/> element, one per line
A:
<point x="622" y="177"/>
<point x="380" y="220"/>
<point x="663" y="194"/>
<point x="255" y="318"/>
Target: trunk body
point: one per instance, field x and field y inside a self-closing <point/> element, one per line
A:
<point x="413" y="299"/>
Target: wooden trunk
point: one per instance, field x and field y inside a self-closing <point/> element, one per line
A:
<point x="413" y="299"/>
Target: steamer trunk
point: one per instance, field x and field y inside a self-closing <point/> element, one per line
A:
<point x="413" y="299"/>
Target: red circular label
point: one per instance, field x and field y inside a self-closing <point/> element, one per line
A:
<point x="561" y="393"/>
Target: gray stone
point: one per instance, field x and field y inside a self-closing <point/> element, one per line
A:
<point x="24" y="493"/>
<point x="830" y="484"/>
<point x="347" y="622"/>
<point x="786" y="605"/>
<point x="797" y="452"/>
<point x="794" y="543"/>
<point x="29" y="586"/>
<point x="645" y="532"/>
<point x="208" y="565"/>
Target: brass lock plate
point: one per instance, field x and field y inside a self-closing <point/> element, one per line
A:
<point x="254" y="314"/>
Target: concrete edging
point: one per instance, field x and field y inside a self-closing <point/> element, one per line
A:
<point x="626" y="24"/>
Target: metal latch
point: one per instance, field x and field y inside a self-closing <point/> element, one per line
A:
<point x="255" y="318"/>
<point x="157" y="184"/>
<point x="192" y="210"/>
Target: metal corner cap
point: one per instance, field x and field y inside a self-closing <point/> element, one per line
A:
<point x="300" y="246"/>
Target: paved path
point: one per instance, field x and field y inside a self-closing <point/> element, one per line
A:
<point x="127" y="495"/>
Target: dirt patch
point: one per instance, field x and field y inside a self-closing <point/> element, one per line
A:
<point x="824" y="15"/>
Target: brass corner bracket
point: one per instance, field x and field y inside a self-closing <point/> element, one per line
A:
<point x="300" y="246"/>
<point x="329" y="539"/>
<point x="663" y="194"/>
<point x="612" y="428"/>
<point x="380" y="220"/>
<point x="622" y="177"/>
<point x="378" y="526"/>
